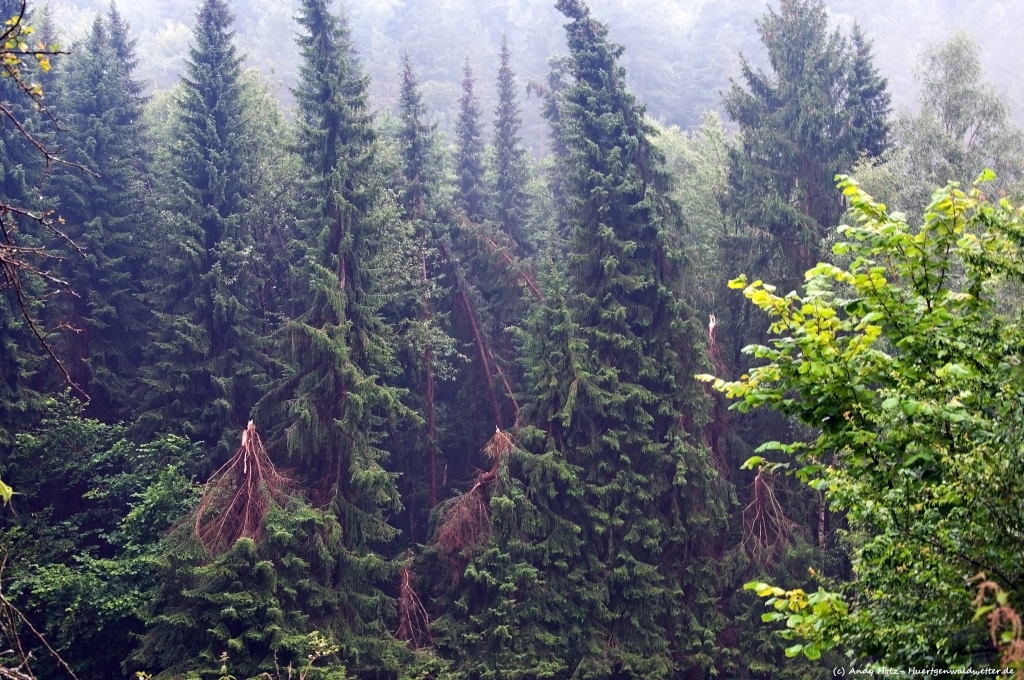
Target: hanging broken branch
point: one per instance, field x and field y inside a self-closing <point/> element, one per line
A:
<point x="466" y="519"/>
<point x="237" y="496"/>
<point x="515" y="265"/>
<point x="766" y="530"/>
<point x="413" y="621"/>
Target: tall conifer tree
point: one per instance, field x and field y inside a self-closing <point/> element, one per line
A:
<point x="106" y="214"/>
<point x="335" y="407"/>
<point x="469" y="158"/>
<point x="124" y="46"/>
<point x="205" y="369"/>
<point x="416" y="137"/>
<point x="511" y="202"/>
<point x="868" y="101"/>
<point x="811" y="119"/>
<point x="426" y="212"/>
<point x="622" y="497"/>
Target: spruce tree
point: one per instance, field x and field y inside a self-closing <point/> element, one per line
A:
<point x="124" y="47"/>
<point x="469" y="156"/>
<point x="511" y="201"/>
<point x="626" y="499"/>
<point x="430" y="354"/>
<point x="821" y="108"/>
<point x="106" y="214"/>
<point x="868" y="101"/>
<point x="335" y="408"/>
<point x="251" y="607"/>
<point x="453" y="305"/>
<point x="817" y="112"/>
<point x="205" y="370"/>
<point x="416" y="137"/>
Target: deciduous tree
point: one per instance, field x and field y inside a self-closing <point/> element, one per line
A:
<point x="907" y="363"/>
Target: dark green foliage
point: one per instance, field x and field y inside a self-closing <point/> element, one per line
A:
<point x="205" y="369"/>
<point x="256" y="604"/>
<point x="429" y="353"/>
<point x="868" y="100"/>
<point x="821" y="108"/>
<point x="418" y="139"/>
<point x="21" y="168"/>
<point x="105" y="212"/>
<point x="124" y="46"/>
<point x="469" y="156"/>
<point x="90" y="510"/>
<point x="382" y="301"/>
<point x="627" y="498"/>
<point x="651" y="491"/>
<point x="333" y="408"/>
<point x="518" y="605"/>
<point x="550" y="95"/>
<point x="511" y="202"/>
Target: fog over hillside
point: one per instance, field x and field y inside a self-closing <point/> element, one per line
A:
<point x="679" y="53"/>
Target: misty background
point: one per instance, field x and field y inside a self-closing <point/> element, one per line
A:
<point x="679" y="53"/>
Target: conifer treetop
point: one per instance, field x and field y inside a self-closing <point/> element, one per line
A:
<point x="511" y="200"/>
<point x="469" y="161"/>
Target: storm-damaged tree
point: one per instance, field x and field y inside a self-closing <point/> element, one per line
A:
<point x="602" y="515"/>
<point x="332" y="414"/>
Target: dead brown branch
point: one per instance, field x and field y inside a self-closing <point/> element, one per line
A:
<point x="466" y="519"/>
<point x="1005" y="628"/>
<point x="481" y="352"/>
<point x="413" y="621"/>
<point x="465" y="524"/>
<point x="504" y="381"/>
<point x="237" y="496"/>
<point x="766" y="530"/>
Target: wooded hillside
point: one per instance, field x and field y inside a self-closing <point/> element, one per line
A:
<point x="456" y="360"/>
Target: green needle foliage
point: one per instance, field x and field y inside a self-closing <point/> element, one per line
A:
<point x="511" y="200"/>
<point x="105" y="212"/>
<point x="487" y="456"/>
<point x="205" y="368"/>
<point x="619" y="499"/>
<point x="21" y="169"/>
<point x="469" y="158"/>
<point x="822" y="106"/>
<point x="335" y="407"/>
<point x="255" y="602"/>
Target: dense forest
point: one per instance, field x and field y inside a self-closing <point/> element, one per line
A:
<point x="404" y="373"/>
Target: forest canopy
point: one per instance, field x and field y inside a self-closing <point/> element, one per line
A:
<point x="475" y="352"/>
